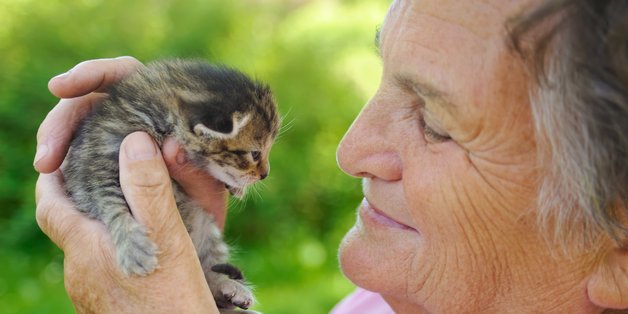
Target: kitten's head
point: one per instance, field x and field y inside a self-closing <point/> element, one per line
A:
<point x="230" y="123"/>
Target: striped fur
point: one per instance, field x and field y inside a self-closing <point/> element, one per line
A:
<point x="173" y="98"/>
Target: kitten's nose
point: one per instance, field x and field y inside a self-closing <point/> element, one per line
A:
<point x="263" y="175"/>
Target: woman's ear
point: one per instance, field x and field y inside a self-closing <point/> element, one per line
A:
<point x="607" y="286"/>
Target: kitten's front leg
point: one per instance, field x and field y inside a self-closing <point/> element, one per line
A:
<point x="135" y="252"/>
<point x="225" y="281"/>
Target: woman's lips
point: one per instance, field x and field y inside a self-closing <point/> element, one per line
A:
<point x="367" y="211"/>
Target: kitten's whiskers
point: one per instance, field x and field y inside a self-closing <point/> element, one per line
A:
<point x="285" y="126"/>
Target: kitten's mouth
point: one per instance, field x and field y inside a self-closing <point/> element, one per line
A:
<point x="235" y="191"/>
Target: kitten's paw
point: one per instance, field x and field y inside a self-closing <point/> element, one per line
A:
<point x="137" y="254"/>
<point x="232" y="293"/>
<point x="228" y="288"/>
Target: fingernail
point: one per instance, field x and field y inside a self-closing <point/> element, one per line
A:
<point x="181" y="158"/>
<point x="42" y="151"/>
<point x="140" y="146"/>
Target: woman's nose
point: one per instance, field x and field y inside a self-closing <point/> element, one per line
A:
<point x="369" y="148"/>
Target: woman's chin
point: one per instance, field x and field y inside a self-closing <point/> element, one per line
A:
<point x="354" y="259"/>
<point x="378" y="261"/>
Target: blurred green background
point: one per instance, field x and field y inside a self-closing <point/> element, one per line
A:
<point x="319" y="58"/>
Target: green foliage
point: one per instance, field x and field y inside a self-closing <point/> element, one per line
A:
<point x="318" y="57"/>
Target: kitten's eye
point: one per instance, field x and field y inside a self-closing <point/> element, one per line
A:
<point x="431" y="135"/>
<point x="256" y="155"/>
<point x="239" y="152"/>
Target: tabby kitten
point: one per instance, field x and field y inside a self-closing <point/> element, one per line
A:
<point x="225" y="122"/>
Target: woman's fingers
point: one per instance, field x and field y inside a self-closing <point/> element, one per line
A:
<point x="80" y="86"/>
<point x="92" y="76"/>
<point x="197" y="183"/>
<point x="55" y="132"/>
<point x="56" y="215"/>
<point x="145" y="182"/>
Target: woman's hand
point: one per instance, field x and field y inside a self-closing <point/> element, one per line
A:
<point x="79" y="89"/>
<point x="91" y="275"/>
<point x="92" y="278"/>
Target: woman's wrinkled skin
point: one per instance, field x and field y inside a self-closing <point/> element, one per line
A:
<point x="448" y="221"/>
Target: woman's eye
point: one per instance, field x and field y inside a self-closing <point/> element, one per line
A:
<point x="256" y="155"/>
<point x="432" y="135"/>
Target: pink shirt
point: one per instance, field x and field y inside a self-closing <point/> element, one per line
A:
<point x="362" y="302"/>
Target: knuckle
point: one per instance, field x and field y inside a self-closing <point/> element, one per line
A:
<point x="84" y="66"/>
<point x="42" y="213"/>
<point x="152" y="190"/>
<point x="49" y="122"/>
<point x="150" y="176"/>
<point x="147" y="182"/>
<point x="131" y="61"/>
<point x="54" y="125"/>
<point x="126" y="65"/>
<point x="58" y="227"/>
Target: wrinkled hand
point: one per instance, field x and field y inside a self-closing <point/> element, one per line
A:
<point x="92" y="279"/>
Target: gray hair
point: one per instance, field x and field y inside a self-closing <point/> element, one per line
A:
<point x="579" y="54"/>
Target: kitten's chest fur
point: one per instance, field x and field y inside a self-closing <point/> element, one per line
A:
<point x="225" y="122"/>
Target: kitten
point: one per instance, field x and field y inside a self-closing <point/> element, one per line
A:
<point x="225" y="122"/>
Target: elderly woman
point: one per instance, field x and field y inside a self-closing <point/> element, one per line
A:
<point x="494" y="160"/>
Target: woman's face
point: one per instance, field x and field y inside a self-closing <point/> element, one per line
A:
<point x="446" y="152"/>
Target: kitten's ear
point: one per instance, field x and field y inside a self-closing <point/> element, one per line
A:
<point x="223" y="129"/>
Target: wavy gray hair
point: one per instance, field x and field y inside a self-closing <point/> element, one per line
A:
<point x="578" y="51"/>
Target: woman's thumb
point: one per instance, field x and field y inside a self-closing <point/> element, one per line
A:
<point x="147" y="188"/>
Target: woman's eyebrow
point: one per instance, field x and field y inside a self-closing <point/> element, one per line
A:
<point x="421" y="88"/>
<point x="426" y="90"/>
<point x="377" y="41"/>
